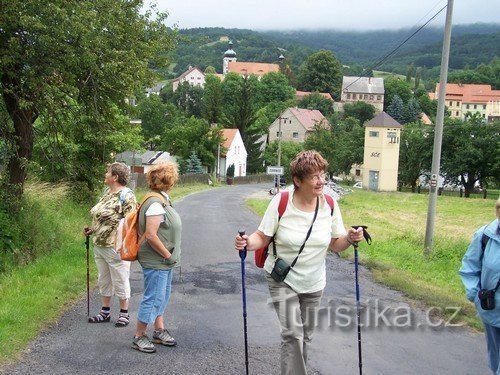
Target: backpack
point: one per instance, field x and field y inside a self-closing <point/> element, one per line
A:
<point x="261" y="254"/>
<point x="127" y="240"/>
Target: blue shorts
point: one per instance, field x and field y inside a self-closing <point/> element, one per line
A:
<point x="157" y="288"/>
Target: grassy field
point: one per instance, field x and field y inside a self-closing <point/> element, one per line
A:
<point x="396" y="222"/>
<point x="35" y="296"/>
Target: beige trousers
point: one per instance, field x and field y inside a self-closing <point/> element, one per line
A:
<point x="296" y="314"/>
<point x="114" y="273"/>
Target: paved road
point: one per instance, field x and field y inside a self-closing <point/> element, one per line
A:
<point x="205" y="316"/>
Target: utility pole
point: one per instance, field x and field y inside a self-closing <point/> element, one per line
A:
<point x="438" y="136"/>
<point x="279" y="150"/>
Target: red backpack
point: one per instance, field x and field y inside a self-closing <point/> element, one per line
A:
<point x="261" y="254"/>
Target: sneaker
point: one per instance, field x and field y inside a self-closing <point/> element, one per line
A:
<point x="143" y="344"/>
<point x="162" y="336"/>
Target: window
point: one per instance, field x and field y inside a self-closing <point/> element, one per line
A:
<point x="373" y="134"/>
<point x="379" y="97"/>
<point x="393" y="137"/>
<point x="458" y="104"/>
<point x="358" y="172"/>
<point x="278" y="134"/>
<point x="457" y="113"/>
<point x="366" y="96"/>
<point x="451" y="103"/>
<point x="295" y="135"/>
<point x="354" y="96"/>
<point x="371" y="97"/>
<point x="467" y="106"/>
<point x="348" y="96"/>
<point x="484" y="106"/>
<point x="475" y="106"/>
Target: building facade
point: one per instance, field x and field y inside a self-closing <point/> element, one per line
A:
<point x="296" y="124"/>
<point x="233" y="152"/>
<point x="381" y="153"/>
<point x="193" y="75"/>
<point x="362" y="89"/>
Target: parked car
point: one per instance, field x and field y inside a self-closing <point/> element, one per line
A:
<point x="358" y="185"/>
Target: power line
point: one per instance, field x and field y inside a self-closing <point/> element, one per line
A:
<point x="383" y="59"/>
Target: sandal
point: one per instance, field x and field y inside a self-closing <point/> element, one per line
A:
<point x="100" y="318"/>
<point x="123" y="320"/>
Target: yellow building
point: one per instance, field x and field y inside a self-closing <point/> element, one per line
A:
<point x="381" y="153"/>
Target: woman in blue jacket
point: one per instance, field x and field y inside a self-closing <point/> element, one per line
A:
<point x="480" y="273"/>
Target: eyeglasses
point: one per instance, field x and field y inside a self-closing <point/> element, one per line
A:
<point x="318" y="177"/>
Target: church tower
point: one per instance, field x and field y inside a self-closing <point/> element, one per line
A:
<point x="229" y="56"/>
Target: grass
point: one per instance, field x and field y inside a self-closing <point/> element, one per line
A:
<point x="396" y="222"/>
<point x="34" y="296"/>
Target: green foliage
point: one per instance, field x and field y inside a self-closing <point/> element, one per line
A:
<point x="230" y="171"/>
<point x="194" y="164"/>
<point x="396" y="109"/>
<point x="317" y="101"/>
<point x="274" y="87"/>
<point x="395" y="86"/>
<point x="187" y="98"/>
<point x="415" y="154"/>
<point x="288" y="152"/>
<point x="411" y="111"/>
<point x="51" y="61"/>
<point x="185" y="135"/>
<point x="212" y="99"/>
<point x="321" y="72"/>
<point x="360" y="110"/>
<point x="153" y="114"/>
<point x="484" y="73"/>
<point x="470" y="152"/>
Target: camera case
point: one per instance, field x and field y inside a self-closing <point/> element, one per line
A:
<point x="487" y="299"/>
<point x="280" y="270"/>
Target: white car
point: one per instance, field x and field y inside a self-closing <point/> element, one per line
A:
<point x="358" y="185"/>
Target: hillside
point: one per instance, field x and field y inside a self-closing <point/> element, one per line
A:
<point x="471" y="45"/>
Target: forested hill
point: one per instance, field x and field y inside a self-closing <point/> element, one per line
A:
<point x="471" y="45"/>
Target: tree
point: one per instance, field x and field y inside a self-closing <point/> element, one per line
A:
<point x="289" y="150"/>
<point x="153" y="114"/>
<point x="274" y="87"/>
<point x="412" y="111"/>
<point x="415" y="153"/>
<point x="359" y="110"/>
<point x="211" y="105"/>
<point x="53" y="53"/>
<point x="194" y="164"/>
<point x="470" y="152"/>
<point x="317" y="101"/>
<point x="188" y="98"/>
<point x="395" y="86"/>
<point x="396" y="109"/>
<point x="321" y="72"/>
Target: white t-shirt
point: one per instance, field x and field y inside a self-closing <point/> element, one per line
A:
<point x="156" y="208"/>
<point x="309" y="274"/>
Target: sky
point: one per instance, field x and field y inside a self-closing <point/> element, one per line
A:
<point x="323" y="14"/>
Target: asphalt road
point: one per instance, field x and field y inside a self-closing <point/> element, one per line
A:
<point x="205" y="316"/>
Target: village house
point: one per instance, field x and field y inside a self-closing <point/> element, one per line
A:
<point x="193" y="75"/>
<point x="296" y="124"/>
<point x="362" y="89"/>
<point x="233" y="152"/>
<point x="471" y="99"/>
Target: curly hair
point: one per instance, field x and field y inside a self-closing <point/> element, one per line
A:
<point x="121" y="171"/>
<point x="162" y="176"/>
<point x="307" y="163"/>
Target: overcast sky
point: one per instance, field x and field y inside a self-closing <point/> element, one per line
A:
<point x="329" y="14"/>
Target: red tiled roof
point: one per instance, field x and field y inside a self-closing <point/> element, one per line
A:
<point x="301" y="94"/>
<point x="469" y="93"/>
<point x="228" y="136"/>
<point x="309" y="117"/>
<point x="249" y="68"/>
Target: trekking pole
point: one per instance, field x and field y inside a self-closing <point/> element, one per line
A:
<point x="243" y="255"/>
<point x="87" y="245"/>
<point x="358" y="304"/>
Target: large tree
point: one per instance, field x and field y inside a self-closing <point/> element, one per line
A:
<point x="395" y="86"/>
<point x="470" y="152"/>
<point x="57" y="53"/>
<point x="359" y="110"/>
<point x="321" y="72"/>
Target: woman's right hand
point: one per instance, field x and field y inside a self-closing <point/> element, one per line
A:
<point x="240" y="242"/>
<point x="87" y="231"/>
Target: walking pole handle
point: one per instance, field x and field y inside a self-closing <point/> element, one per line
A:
<point x="243" y="253"/>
